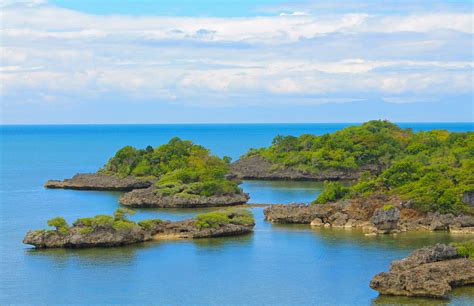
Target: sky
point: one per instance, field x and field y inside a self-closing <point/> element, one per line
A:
<point x="259" y="61"/>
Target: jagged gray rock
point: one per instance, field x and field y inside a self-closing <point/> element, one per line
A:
<point x="107" y="235"/>
<point x="98" y="181"/>
<point x="369" y="214"/>
<point x="150" y="198"/>
<point x="256" y="167"/>
<point x="428" y="272"/>
<point x="385" y="219"/>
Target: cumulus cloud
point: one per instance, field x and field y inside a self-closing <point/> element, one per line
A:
<point x="50" y="52"/>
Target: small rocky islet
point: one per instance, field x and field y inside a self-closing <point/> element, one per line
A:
<point x="377" y="214"/>
<point x="178" y="174"/>
<point x="399" y="181"/>
<point x="428" y="272"/>
<point x="118" y="230"/>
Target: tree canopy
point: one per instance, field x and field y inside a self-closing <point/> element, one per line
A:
<point x="179" y="166"/>
<point x="433" y="169"/>
<point x="372" y="143"/>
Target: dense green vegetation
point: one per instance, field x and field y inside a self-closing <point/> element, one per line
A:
<point x="119" y="222"/>
<point x="465" y="249"/>
<point x="182" y="167"/>
<point x="432" y="169"/>
<point x="372" y="143"/>
<point x="60" y="224"/>
<point x="332" y="191"/>
<point x="221" y="218"/>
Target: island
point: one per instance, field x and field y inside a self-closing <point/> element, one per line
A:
<point x="429" y="272"/>
<point x="405" y="180"/>
<point x="177" y="174"/>
<point x="118" y="230"/>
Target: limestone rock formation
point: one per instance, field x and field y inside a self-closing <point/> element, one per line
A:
<point x="150" y="198"/>
<point x="98" y="181"/>
<point x="103" y="231"/>
<point x="428" y="272"/>
<point x="256" y="167"/>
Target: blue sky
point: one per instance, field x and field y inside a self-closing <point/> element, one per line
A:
<point x="144" y="61"/>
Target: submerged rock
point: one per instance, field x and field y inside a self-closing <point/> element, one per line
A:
<point x="256" y="167"/>
<point x="150" y="198"/>
<point x="98" y="181"/>
<point x="428" y="272"/>
<point x="105" y="231"/>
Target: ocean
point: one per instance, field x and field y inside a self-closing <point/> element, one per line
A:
<point x="291" y="264"/>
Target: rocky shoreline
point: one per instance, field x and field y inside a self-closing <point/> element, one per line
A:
<point x="98" y="181"/>
<point x="256" y="167"/>
<point x="151" y="199"/>
<point x="428" y="272"/>
<point x="378" y="214"/>
<point x="104" y="232"/>
<point x="142" y="193"/>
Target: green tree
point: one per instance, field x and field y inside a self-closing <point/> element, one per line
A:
<point x="122" y="213"/>
<point x="60" y="224"/>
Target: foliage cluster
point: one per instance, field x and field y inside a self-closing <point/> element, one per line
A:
<point x="387" y="207"/>
<point x="430" y="168"/>
<point x="149" y="223"/>
<point x="465" y="249"/>
<point x="119" y="222"/>
<point x="372" y="143"/>
<point x="182" y="168"/>
<point x="222" y="218"/>
<point x="331" y="192"/>
<point x="60" y="224"/>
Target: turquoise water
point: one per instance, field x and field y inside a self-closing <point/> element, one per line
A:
<point x="274" y="265"/>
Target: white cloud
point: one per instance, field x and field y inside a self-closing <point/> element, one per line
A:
<point x="48" y="52"/>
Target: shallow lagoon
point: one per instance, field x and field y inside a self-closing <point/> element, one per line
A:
<point x="277" y="264"/>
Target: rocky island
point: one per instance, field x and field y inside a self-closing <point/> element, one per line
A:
<point x="176" y="174"/>
<point x="422" y="180"/>
<point x="377" y="214"/>
<point x="428" y="272"/>
<point x="343" y="155"/>
<point x="117" y="230"/>
<point x="99" y="181"/>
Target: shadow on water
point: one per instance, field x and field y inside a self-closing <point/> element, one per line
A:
<point x="459" y="296"/>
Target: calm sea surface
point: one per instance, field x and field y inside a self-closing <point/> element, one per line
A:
<point x="274" y="265"/>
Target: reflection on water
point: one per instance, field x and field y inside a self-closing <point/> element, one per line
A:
<point x="299" y="263"/>
<point x="282" y="192"/>
<point x="283" y="265"/>
<point x="400" y="241"/>
<point x="459" y="296"/>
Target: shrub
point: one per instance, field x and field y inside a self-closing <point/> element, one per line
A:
<point x="332" y="191"/>
<point x="149" y="224"/>
<point x="214" y="219"/>
<point x="60" y="224"/>
<point x="86" y="230"/>
<point x="221" y="218"/>
<point x="241" y="217"/>
<point x="387" y="207"/>
<point x="103" y="221"/>
<point x="123" y="225"/>
<point x="122" y="213"/>
<point x="465" y="249"/>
